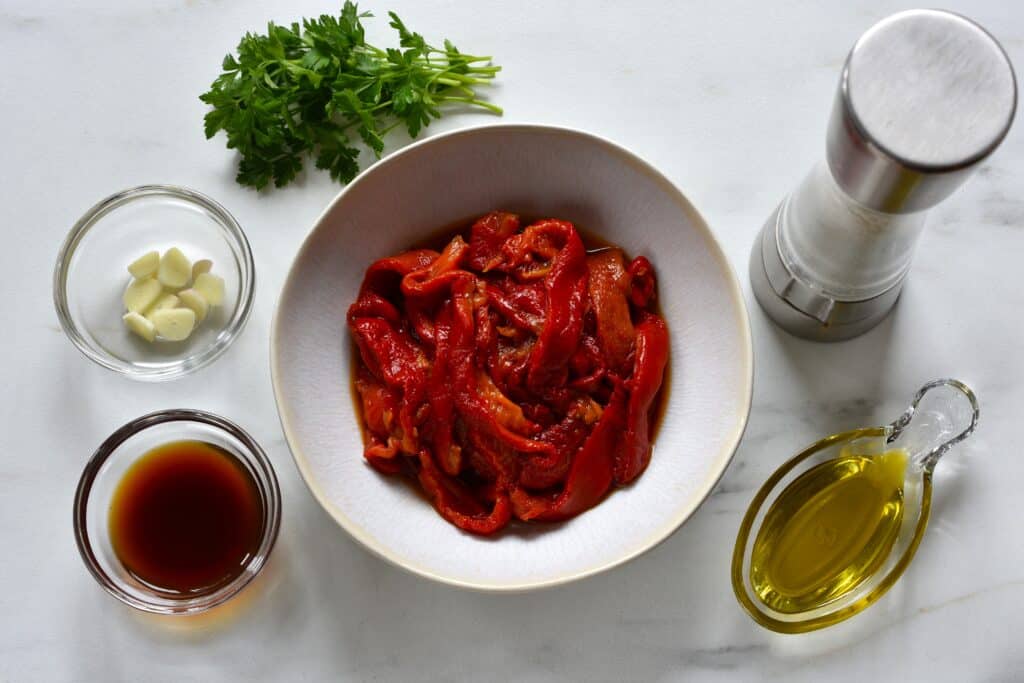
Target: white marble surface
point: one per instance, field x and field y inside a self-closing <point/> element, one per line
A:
<point x="730" y="100"/>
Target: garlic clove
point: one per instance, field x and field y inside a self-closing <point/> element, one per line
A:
<point x="167" y="300"/>
<point x="140" y="326"/>
<point x="201" y="266"/>
<point x="211" y="287"/>
<point x="173" y="324"/>
<point x="175" y="269"/>
<point x="141" y="294"/>
<point x="145" y="266"/>
<point x="194" y="301"/>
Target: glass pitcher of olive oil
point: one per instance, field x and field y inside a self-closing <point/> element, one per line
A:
<point x="834" y="527"/>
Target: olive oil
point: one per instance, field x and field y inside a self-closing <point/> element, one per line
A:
<point x="828" y="531"/>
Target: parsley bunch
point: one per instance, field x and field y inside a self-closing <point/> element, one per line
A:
<point x="313" y="88"/>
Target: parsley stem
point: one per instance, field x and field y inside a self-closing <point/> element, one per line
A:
<point x="449" y="80"/>
<point x="475" y="102"/>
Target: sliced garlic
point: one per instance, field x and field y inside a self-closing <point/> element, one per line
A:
<point x="141" y="294"/>
<point x="201" y="266"/>
<point x="211" y="287"/>
<point x="145" y="266"/>
<point x="170" y="295"/>
<point x="175" y="269"/>
<point x="140" y="326"/>
<point x="195" y="302"/>
<point x="173" y="324"/>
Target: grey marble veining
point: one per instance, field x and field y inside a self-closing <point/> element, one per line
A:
<point x="730" y="100"/>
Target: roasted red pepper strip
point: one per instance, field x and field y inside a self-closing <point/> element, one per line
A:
<point x="451" y="500"/>
<point x="486" y="238"/>
<point x="384" y="276"/>
<point x="437" y="276"/>
<point x="389" y="354"/>
<point x="380" y="404"/>
<point x="382" y="456"/>
<point x="505" y="412"/>
<point x="394" y="359"/>
<point x="550" y="469"/>
<point x="442" y="403"/>
<point x="498" y="462"/>
<point x="608" y="287"/>
<point x="566" y="288"/>
<point x="634" y="452"/>
<point x="515" y="314"/>
<point x="381" y="291"/>
<point x="373" y="305"/>
<point x="590" y="475"/>
<point x="641" y="276"/>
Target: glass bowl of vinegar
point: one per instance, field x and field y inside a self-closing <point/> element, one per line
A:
<point x="177" y="511"/>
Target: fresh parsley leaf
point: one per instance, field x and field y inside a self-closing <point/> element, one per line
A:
<point x="317" y="89"/>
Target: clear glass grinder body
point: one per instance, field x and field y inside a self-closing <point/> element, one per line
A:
<point x="924" y="97"/>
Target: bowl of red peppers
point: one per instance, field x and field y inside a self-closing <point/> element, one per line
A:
<point x="512" y="356"/>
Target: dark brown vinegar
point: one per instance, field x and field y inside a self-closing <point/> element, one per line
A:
<point x="186" y="517"/>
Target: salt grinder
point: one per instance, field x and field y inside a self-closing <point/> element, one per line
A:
<point x="924" y="97"/>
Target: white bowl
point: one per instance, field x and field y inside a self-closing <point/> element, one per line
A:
<point x="447" y="181"/>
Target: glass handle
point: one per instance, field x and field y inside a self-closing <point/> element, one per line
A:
<point x="943" y="413"/>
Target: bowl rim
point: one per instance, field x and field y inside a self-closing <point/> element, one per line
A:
<point x="227" y="335"/>
<point x="728" y="450"/>
<point x="257" y="458"/>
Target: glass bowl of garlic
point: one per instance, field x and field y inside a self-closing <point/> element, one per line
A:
<point x="154" y="282"/>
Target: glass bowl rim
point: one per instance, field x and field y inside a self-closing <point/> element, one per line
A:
<point x="92" y="217"/>
<point x="256" y="458"/>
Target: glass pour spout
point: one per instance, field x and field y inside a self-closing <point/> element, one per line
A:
<point x="943" y="413"/>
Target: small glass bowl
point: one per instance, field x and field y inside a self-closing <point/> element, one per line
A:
<point x="107" y="467"/>
<point x="91" y="276"/>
